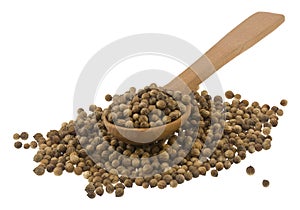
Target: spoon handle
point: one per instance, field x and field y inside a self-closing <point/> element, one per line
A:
<point x="241" y="38"/>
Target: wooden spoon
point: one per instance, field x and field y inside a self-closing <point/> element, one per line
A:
<point x="241" y="38"/>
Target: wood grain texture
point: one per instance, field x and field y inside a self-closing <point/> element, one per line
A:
<point x="238" y="40"/>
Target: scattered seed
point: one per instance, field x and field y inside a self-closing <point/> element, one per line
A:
<point x="24" y="135"/>
<point x="229" y="94"/>
<point x="26" y="146"/>
<point x="77" y="146"/>
<point x="18" y="144"/>
<point x="108" y="97"/>
<point x="33" y="144"/>
<point x="250" y="170"/>
<point x="16" y="136"/>
<point x="283" y="102"/>
<point x="265" y="183"/>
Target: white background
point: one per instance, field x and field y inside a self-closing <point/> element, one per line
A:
<point x="45" y="45"/>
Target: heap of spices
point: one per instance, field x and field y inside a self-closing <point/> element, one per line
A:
<point x="149" y="107"/>
<point x="217" y="135"/>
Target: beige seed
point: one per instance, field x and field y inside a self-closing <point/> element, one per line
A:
<point x="108" y="97"/>
<point x="153" y="183"/>
<point x="266" y="130"/>
<point x="24" y="135"/>
<point x="173" y="184"/>
<point x="119" y="192"/>
<point x="26" y="146"/>
<point x="283" y="102"/>
<point x="279" y="112"/>
<point x="214" y="173"/>
<point x="265" y="183"/>
<point x="18" y="145"/>
<point x="33" y="144"/>
<point x="250" y="170"/>
<point x="229" y="154"/>
<point x="99" y="191"/>
<point x="161" y="104"/>
<point x="39" y="170"/>
<point x="229" y="94"/>
<point x="109" y="188"/>
<point x="16" y="136"/>
<point x="162" y="184"/>
<point x="57" y="171"/>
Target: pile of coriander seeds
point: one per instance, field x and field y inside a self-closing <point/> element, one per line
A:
<point x="149" y="107"/>
<point x="217" y="135"/>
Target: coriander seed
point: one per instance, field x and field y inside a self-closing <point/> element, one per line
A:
<point x="69" y="167"/>
<point x="24" y="135"/>
<point x="33" y="144"/>
<point x="58" y="171"/>
<point x="91" y="195"/>
<point x="128" y="183"/>
<point x="283" y="102"/>
<point x="39" y="170"/>
<point x="109" y="188"/>
<point x="153" y="183"/>
<point x="38" y="157"/>
<point x="161" y="184"/>
<point x="119" y="192"/>
<point x="90" y="188"/>
<point x="18" y="145"/>
<point x="78" y="170"/>
<point x="26" y="146"/>
<point x="279" y="112"/>
<point x="189" y="175"/>
<point x="214" y="173"/>
<point x="219" y="166"/>
<point x="250" y="170"/>
<point x="99" y="191"/>
<point x="265" y="183"/>
<point x="16" y="136"/>
<point x="50" y="168"/>
<point x="179" y="178"/>
<point x="266" y="130"/>
<point x="227" y="164"/>
<point x="229" y="94"/>
<point x="173" y="183"/>
<point x="108" y="97"/>
<point x="145" y="185"/>
<point x="202" y="170"/>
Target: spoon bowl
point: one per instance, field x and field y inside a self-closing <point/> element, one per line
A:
<point x="139" y="136"/>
